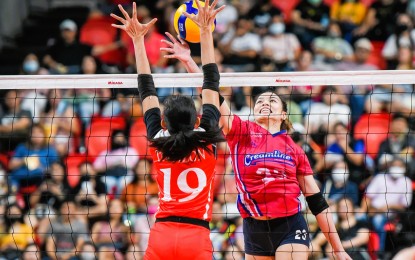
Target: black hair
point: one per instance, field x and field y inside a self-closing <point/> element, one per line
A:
<point x="180" y="117"/>
<point x="285" y="124"/>
<point x="114" y="145"/>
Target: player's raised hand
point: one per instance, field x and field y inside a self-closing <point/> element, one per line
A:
<point x="131" y="25"/>
<point x="206" y="14"/>
<point x="178" y="48"/>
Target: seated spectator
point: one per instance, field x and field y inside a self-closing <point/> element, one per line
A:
<point x="53" y="191"/>
<point x="32" y="160"/>
<point x="67" y="233"/>
<point x="18" y="233"/>
<point x="404" y="36"/>
<point x="117" y="164"/>
<point x="263" y="13"/>
<point x="66" y="55"/>
<point x="387" y="194"/>
<point x="34" y="100"/>
<point x="353" y="233"/>
<point x="339" y="185"/>
<point x="90" y="193"/>
<point x="346" y="149"/>
<point x="225" y="19"/>
<point x="324" y="115"/>
<point x="349" y="14"/>
<point x="294" y="112"/>
<point x="310" y="19"/>
<point x="399" y="142"/>
<point x="14" y="122"/>
<point x="378" y="25"/>
<point x="136" y="193"/>
<point x="362" y="49"/>
<point x="88" y="251"/>
<point x="280" y="48"/>
<point x="332" y="49"/>
<point x="142" y="225"/>
<point x="405" y="59"/>
<point x="111" y="237"/>
<point x="241" y="47"/>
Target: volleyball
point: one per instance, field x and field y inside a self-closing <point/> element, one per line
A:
<point x="185" y="27"/>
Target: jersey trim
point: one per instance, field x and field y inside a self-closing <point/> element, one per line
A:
<point x="279" y="133"/>
<point x="249" y="203"/>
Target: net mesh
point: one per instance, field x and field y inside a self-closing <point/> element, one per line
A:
<point x="75" y="168"/>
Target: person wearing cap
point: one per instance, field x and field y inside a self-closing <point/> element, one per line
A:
<point x="66" y="55"/>
<point x="362" y="50"/>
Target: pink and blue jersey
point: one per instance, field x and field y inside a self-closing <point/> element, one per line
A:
<point x="266" y="167"/>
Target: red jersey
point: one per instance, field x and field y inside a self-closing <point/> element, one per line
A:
<point x="266" y="167"/>
<point x="185" y="187"/>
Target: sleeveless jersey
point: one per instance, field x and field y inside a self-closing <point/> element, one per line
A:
<point x="185" y="187"/>
<point x="266" y="167"/>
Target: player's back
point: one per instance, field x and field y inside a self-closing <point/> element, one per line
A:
<point x="185" y="187"/>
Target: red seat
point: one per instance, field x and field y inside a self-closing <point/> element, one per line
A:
<point x="72" y="163"/>
<point x="98" y="134"/>
<point x="98" y="31"/>
<point x="375" y="57"/>
<point x="138" y="138"/>
<point x="373" y="245"/>
<point x="373" y="130"/>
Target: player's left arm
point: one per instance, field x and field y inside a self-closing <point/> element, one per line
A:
<point x="320" y="209"/>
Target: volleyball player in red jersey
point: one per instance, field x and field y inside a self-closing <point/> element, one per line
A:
<point x="182" y="147"/>
<point x="270" y="172"/>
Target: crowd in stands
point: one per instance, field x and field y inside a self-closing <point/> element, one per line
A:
<point x="76" y="181"/>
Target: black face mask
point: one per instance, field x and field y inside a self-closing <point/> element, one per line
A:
<point x="266" y="61"/>
<point x="400" y="28"/>
<point x="15" y="219"/>
<point x="116" y="145"/>
<point x="85" y="177"/>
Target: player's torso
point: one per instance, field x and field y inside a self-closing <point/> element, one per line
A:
<point x="185" y="188"/>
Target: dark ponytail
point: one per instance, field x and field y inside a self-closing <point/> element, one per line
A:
<point x="180" y="117"/>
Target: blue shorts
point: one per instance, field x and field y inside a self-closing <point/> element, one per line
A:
<point x="263" y="237"/>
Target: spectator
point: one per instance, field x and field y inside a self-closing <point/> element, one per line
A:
<point x="405" y="59"/>
<point x="339" y="186"/>
<point x="117" y="163"/>
<point x="66" y="55"/>
<point x="136" y="193"/>
<point x="53" y="191"/>
<point x="399" y="142"/>
<point x="33" y="100"/>
<point x="61" y="124"/>
<point x="346" y="149"/>
<point x="377" y="25"/>
<point x="387" y="194"/>
<point x="67" y="233"/>
<point x="90" y="193"/>
<point x="142" y="225"/>
<point x="18" y="233"/>
<point x="240" y="46"/>
<point x="310" y="19"/>
<point x="111" y="237"/>
<point x="349" y="14"/>
<point x="362" y="49"/>
<point x="219" y="230"/>
<point x="280" y="48"/>
<point x="404" y="36"/>
<point x="332" y="49"/>
<point x="264" y="13"/>
<point x="31" y="160"/>
<point x="226" y="18"/>
<point x="353" y="233"/>
<point x="14" y="122"/>
<point x="323" y="115"/>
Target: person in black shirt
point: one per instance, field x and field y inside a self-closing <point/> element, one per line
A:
<point x="309" y="20"/>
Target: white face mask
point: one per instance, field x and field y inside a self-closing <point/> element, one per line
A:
<point x="88" y="256"/>
<point x="396" y="172"/>
<point x="340" y="176"/>
<point x="277" y="28"/>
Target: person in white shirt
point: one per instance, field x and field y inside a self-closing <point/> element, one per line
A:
<point x="388" y="193"/>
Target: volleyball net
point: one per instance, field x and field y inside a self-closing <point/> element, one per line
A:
<point x="76" y="175"/>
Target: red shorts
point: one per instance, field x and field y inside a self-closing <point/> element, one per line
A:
<point x="173" y="240"/>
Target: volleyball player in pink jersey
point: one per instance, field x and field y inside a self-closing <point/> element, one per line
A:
<point x="182" y="147"/>
<point x="270" y="171"/>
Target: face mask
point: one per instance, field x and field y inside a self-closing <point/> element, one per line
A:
<point x="340" y="176"/>
<point x="400" y="28"/>
<point x="333" y="34"/>
<point x="277" y="28"/>
<point x="396" y="172"/>
<point x="88" y="256"/>
<point x="30" y="66"/>
<point x="315" y="2"/>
